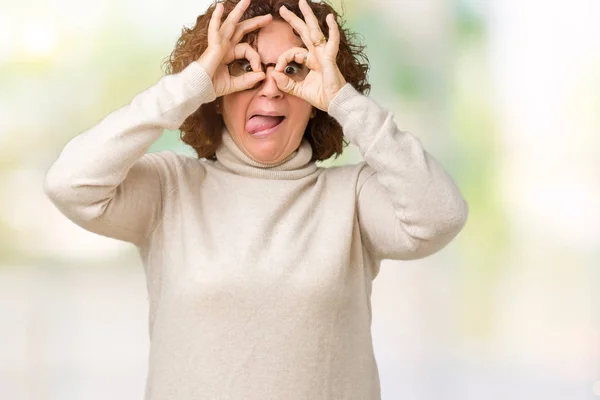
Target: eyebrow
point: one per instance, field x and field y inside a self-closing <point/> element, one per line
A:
<point x="255" y="47"/>
<point x="267" y="65"/>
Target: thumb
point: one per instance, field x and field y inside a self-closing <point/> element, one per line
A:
<point x="246" y="81"/>
<point x="284" y="83"/>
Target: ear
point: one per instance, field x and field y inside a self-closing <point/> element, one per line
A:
<point x="218" y="106"/>
<point x="313" y="113"/>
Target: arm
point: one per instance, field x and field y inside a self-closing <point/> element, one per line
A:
<point x="103" y="181"/>
<point x="408" y="205"/>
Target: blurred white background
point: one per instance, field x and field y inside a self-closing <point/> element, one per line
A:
<point x="506" y="94"/>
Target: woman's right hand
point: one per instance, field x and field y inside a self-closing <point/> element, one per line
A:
<point x="224" y="47"/>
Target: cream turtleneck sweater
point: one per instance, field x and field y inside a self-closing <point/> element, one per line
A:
<point x="259" y="278"/>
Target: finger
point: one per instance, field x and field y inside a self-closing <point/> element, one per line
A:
<point x="285" y="84"/>
<point x="298" y="25"/>
<point x="247" y="81"/>
<point x="333" y="44"/>
<point x="233" y="18"/>
<point x="297" y="54"/>
<point x="244" y="50"/>
<point x="215" y="21"/>
<point x="311" y="20"/>
<point x="250" y="25"/>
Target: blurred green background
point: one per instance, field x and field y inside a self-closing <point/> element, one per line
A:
<point x="506" y="94"/>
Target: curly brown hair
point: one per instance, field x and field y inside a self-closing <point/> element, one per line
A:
<point x="202" y="129"/>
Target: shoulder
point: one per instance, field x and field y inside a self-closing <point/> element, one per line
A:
<point x="172" y="166"/>
<point x="355" y="174"/>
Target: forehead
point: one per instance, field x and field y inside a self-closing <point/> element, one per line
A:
<point x="274" y="39"/>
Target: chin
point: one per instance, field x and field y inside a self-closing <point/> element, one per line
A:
<point x="268" y="157"/>
<point x="267" y="150"/>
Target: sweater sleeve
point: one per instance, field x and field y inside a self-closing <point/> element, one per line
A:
<point x="408" y="206"/>
<point x="104" y="181"/>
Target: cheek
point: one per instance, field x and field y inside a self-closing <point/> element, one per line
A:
<point x="234" y="108"/>
<point x="302" y="109"/>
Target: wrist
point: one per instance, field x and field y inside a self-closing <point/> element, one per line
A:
<point x="341" y="104"/>
<point x="201" y="84"/>
<point x="209" y="62"/>
<point x="333" y="94"/>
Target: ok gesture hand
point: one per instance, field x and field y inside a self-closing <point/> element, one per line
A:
<point x="224" y="46"/>
<point x="325" y="78"/>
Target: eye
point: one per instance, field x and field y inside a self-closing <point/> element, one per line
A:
<point x="296" y="71"/>
<point x="240" y="67"/>
<point x="292" y="69"/>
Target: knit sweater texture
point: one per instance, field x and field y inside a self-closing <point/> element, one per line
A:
<point x="259" y="277"/>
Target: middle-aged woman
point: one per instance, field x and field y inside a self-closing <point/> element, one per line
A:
<point x="259" y="263"/>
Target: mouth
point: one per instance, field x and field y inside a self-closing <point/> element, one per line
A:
<point x="262" y="124"/>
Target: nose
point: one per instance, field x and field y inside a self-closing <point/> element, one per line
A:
<point x="268" y="87"/>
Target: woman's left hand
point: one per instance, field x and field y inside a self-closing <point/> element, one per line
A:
<point x="325" y="78"/>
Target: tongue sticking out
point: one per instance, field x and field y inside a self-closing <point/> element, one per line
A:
<point x="261" y="123"/>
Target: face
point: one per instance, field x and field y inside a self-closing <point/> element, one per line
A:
<point x="266" y="123"/>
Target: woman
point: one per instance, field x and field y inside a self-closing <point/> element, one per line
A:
<point x="259" y="263"/>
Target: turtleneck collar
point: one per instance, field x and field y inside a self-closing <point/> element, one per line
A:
<point x="297" y="165"/>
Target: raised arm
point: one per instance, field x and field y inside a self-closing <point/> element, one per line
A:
<point x="103" y="180"/>
<point x="408" y="205"/>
